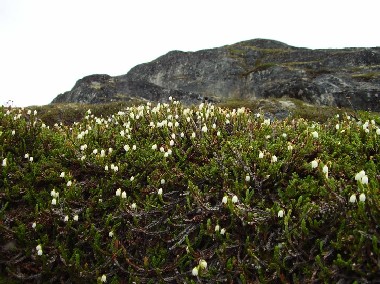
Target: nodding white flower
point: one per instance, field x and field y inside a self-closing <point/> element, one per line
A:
<point x="359" y="175"/>
<point x="54" y="201"/>
<point x="280" y="213"/>
<point x="194" y="272"/>
<point x="115" y="168"/>
<point x="203" y="264"/>
<point x="261" y="155"/>
<point x="69" y="183"/>
<point x="213" y="125"/>
<point x="315" y="134"/>
<point x="80" y="136"/>
<point x="364" y="179"/>
<point x="217" y="228"/>
<point x="118" y="191"/>
<point x="133" y="206"/>
<point x="83" y="157"/>
<point x="247" y="178"/>
<point x="154" y="147"/>
<point x="224" y="200"/>
<point x="95" y="151"/>
<point x="159" y="192"/>
<point x="235" y="199"/>
<point x="66" y="218"/>
<point x="34" y="225"/>
<point x="76" y="218"/>
<point x="325" y="170"/>
<point x="30" y="159"/>
<point x="166" y="154"/>
<point x="35" y="112"/>
<point x="274" y="159"/>
<point x="284" y="135"/>
<point x="378" y="131"/>
<point x="193" y="135"/>
<point x="13" y="132"/>
<point x="170" y="124"/>
<point x="134" y="147"/>
<point x="353" y="198"/>
<point x="106" y="167"/>
<point x="102" y="153"/>
<point x="170" y="98"/>
<point x="169" y="151"/>
<point x="124" y="195"/>
<point x="62" y="175"/>
<point x="110" y="150"/>
<point x="132" y="178"/>
<point x="204" y="128"/>
<point x="266" y="122"/>
<point x="362" y="197"/>
<point x="337" y="126"/>
<point x="222" y="231"/>
<point x="171" y="143"/>
<point x="218" y="133"/>
<point x="314" y="164"/>
<point x="290" y="147"/>
<point x="110" y="234"/>
<point x="162" y="181"/>
<point x="26" y="156"/>
<point x="103" y="278"/>
<point x="162" y="149"/>
<point x="126" y="148"/>
<point x="39" y="252"/>
<point x="182" y="135"/>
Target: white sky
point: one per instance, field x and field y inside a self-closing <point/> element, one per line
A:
<point x="47" y="45"/>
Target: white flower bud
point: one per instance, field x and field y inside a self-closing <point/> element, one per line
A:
<point x="235" y="199"/>
<point x="224" y="200"/>
<point x="353" y="198"/>
<point x="280" y="213"/>
<point x="362" y="197"/>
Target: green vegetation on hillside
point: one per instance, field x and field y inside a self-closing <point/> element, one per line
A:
<point x="170" y="194"/>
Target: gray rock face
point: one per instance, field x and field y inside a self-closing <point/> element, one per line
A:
<point x="247" y="70"/>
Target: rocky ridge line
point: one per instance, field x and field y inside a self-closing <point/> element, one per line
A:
<point x="246" y="70"/>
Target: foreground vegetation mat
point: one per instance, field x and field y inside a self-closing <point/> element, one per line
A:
<point x="169" y="194"/>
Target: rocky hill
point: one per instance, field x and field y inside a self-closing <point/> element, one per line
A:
<point x="251" y="69"/>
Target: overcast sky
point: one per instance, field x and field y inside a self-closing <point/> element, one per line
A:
<point x="47" y="45"/>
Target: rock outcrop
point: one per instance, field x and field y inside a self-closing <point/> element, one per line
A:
<point x="246" y="70"/>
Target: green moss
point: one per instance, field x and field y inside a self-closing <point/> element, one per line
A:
<point x="366" y="76"/>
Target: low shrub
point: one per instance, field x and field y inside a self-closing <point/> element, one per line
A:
<point x="168" y="194"/>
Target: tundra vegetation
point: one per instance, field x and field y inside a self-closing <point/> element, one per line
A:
<point x="205" y="194"/>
